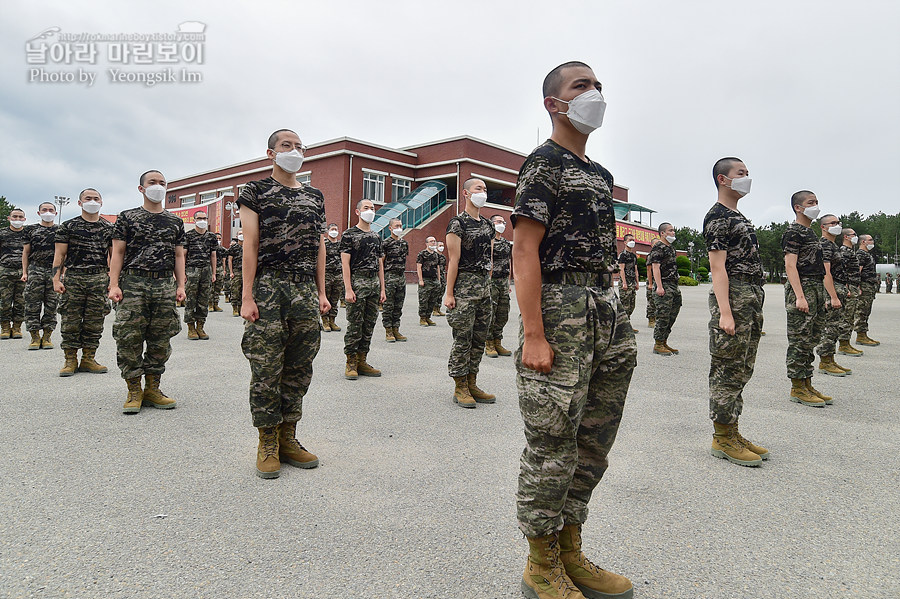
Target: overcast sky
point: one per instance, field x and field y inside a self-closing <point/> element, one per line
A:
<point x="806" y="92"/>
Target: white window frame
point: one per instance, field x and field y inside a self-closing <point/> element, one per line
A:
<point x="305" y="178"/>
<point x="206" y="196"/>
<point x="188" y="200"/>
<point x="373" y="187"/>
<point x="406" y="184"/>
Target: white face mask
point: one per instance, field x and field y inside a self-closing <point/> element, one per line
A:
<point x="48" y="217"/>
<point x="201" y="224"/>
<point x="240" y="238"/>
<point x="670" y="238"/>
<point x="630" y="244"/>
<point x="479" y="199"/>
<point x="91" y="207"/>
<point x="440" y="248"/>
<point x="398" y="231"/>
<point x="367" y="215"/>
<point x="17" y="224"/>
<point x="586" y="110"/>
<point x="811" y="212"/>
<point x="289" y="161"/>
<point x="741" y="185"/>
<point x="854" y="240"/>
<point x="500" y="227"/>
<point x="333" y="234"/>
<point x="835" y="230"/>
<point x="155" y="193"/>
<point x="870" y="246"/>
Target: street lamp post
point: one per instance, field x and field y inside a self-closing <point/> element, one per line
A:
<point x="691" y="256"/>
<point x="60" y="201"/>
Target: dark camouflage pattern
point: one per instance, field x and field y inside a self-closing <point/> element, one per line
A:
<point x="572" y="413"/>
<point x="430" y="295"/>
<point x="573" y="200"/>
<point x="628" y="297"/>
<point x="237" y="287"/>
<point x="499" y="307"/>
<point x="12" y="294"/>
<point x="362" y="314"/>
<point x="11" y="244"/>
<point x="198" y="292"/>
<point x="801" y="241"/>
<point x="667" y="308"/>
<point x="150" y="239"/>
<point x="804" y="330"/>
<point x="332" y="256"/>
<point x="198" y="248"/>
<point x="474" y="241"/>
<point x="395" y="253"/>
<point x="394" y="296"/>
<point x="664" y="255"/>
<point x="831" y="254"/>
<point x="833" y="323"/>
<point x="729" y="230"/>
<point x="733" y="357"/>
<point x="221" y="278"/>
<point x="83" y="309"/>
<point x="145" y="316"/>
<point x="867" y="293"/>
<point x="469" y="320"/>
<point x="848" y="313"/>
<point x="364" y="248"/>
<point x="501" y="257"/>
<point x="888" y="282"/>
<point x="236" y="253"/>
<point x="334" y="290"/>
<point x="629" y="261"/>
<point x="651" y="301"/>
<point x="867" y="271"/>
<point x="87" y="243"/>
<point x="442" y="265"/>
<point x="42" y="242"/>
<point x="281" y="346"/>
<point x="430" y="262"/>
<point x="41" y="301"/>
<point x="291" y="224"/>
<point x="851" y="265"/>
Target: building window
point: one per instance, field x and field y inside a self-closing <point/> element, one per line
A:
<point x="188" y="200"/>
<point x="207" y="196"/>
<point x="373" y="188"/>
<point x="304" y="178"/>
<point x="399" y="188"/>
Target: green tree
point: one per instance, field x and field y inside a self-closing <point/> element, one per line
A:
<point x="5" y="209"/>
<point x="770" y="252"/>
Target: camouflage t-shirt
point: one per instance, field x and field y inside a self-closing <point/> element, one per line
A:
<point x="87" y="243"/>
<point x="502" y="255"/>
<point x="236" y="252"/>
<point x="430" y="264"/>
<point x="291" y="224"/>
<point x="729" y="230"/>
<point x="474" y="241"/>
<point x="801" y="241"/>
<point x="868" y="273"/>
<point x="629" y="261"/>
<point x="150" y="238"/>
<point x="664" y="255"/>
<point x="364" y="248"/>
<point x="831" y="253"/>
<point x="221" y="254"/>
<point x="333" y="257"/>
<point x="573" y="200"/>
<point x="198" y="247"/>
<point x="11" y="243"/>
<point x="442" y="261"/>
<point x="395" y="253"/>
<point x="851" y="265"/>
<point x="43" y="244"/>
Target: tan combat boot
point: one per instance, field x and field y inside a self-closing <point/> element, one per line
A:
<point x="829" y="367"/>
<point x="423" y="322"/>
<point x="545" y="576"/>
<point x="5" y="329"/>
<point x="397" y="335"/>
<point x="334" y="326"/>
<point x="71" y="364"/>
<point x="844" y="368"/>
<point x="326" y="324"/>
<point x="155" y="397"/>
<point x="659" y="347"/>
<point x="591" y="580"/>
<point x="350" y="371"/>
<point x="651" y="323"/>
<point x="89" y="364"/>
<point x="669" y="347"/>
<point x="489" y="350"/>
<point x="215" y="306"/>
<point x="201" y="334"/>
<point x="844" y="348"/>
<point x="192" y="331"/>
<point x="290" y="450"/>
<point x="825" y="398"/>
<point x="35" y="340"/>
<point x="389" y="335"/>
<point x="235" y="311"/>
<point x="16" y="331"/>
<point x="479" y="395"/>
<point x="462" y="395"/>
<point x="267" y="463"/>
<point x="500" y="349"/>
<point x="800" y="394"/>
<point x="727" y="446"/>
<point x="364" y="368"/>
<point x="45" y="340"/>
<point x="437" y="312"/>
<point x="864" y="339"/>
<point x="135" y="398"/>
<point x="760" y="451"/>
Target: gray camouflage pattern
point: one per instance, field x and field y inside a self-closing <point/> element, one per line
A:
<point x="667" y="308"/>
<point x="499" y="307"/>
<point x="469" y="320"/>
<point x="11" y="244"/>
<point x="150" y="239"/>
<point x="41" y="301"/>
<point x="804" y="330"/>
<point x="867" y="293"/>
<point x="362" y="314"/>
<point x="848" y="313"/>
<point x="198" y="292"/>
<point x="83" y="309"/>
<point x="145" y="316"/>
<point x="429" y="296"/>
<point x="12" y="294"/>
<point x="42" y="242"/>
<point x="833" y="324"/>
<point x="394" y="296"/>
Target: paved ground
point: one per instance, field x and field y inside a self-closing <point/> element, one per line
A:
<point x="414" y="496"/>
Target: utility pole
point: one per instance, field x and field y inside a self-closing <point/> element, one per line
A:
<point x="60" y="201"/>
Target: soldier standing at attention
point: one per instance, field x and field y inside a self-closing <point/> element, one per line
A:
<point x="37" y="264"/>
<point x="363" y="272"/>
<point x="888" y="282"/>
<point x="283" y="268"/>
<point x="628" y="278"/>
<point x="835" y="282"/>
<point x="395" y="252"/>
<point x="736" y="311"/>
<point x="334" y="278"/>
<point x="668" y="296"/>
<point x="501" y="257"/>
<point x="651" y="290"/>
<point x="82" y="255"/>
<point x="219" y="282"/>
<point x="235" y="262"/>
<point x="468" y="295"/>
<point x="147" y="250"/>
<point x="200" y="270"/>
<point x="428" y="268"/>
<point x="577" y="350"/>
<point x="851" y="271"/>
<point x="868" y="286"/>
<point x="12" y="277"/>
<point x="804" y="298"/>
<point x="442" y="264"/>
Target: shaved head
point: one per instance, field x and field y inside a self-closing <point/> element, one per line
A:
<point x="554" y="78"/>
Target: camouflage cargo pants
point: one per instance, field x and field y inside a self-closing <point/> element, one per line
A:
<point x="146" y="315"/>
<point x="334" y="291"/>
<point x="628" y="298"/>
<point x="848" y="314"/>
<point x="651" y="302"/>
<point x="237" y="288"/>
<point x="833" y="323"/>
<point x="733" y="357"/>
<point x="804" y="329"/>
<point x="571" y="414"/>
<point x="499" y="307"/>
<point x="39" y="294"/>
<point x="667" y="308"/>
<point x="281" y="346"/>
<point x="429" y="297"/>
<point x="469" y="321"/>
<point x="864" y="307"/>
<point x="218" y="285"/>
<point x="82" y="309"/>
<point x="362" y="314"/>
<point x="198" y="289"/>
<point x="12" y="295"/>
<point x="395" y="295"/>
<point x="440" y="294"/>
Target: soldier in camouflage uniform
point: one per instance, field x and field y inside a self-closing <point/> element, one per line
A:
<point x="835" y="283"/>
<point x="37" y="263"/>
<point x="888" y="282"/>
<point x="668" y="296"/>
<point x="146" y="278"/>
<point x="395" y="251"/>
<point x="334" y="278"/>
<point x="12" y="277"/>
<point x="428" y="268"/>
<point x="628" y="278"/>
<point x="235" y="262"/>
<point x="850" y="260"/>
<point x="868" y="286"/>
<point x="219" y="283"/>
<point x="501" y="258"/>
<point x="576" y="346"/>
<point x="804" y="298"/>
<point x="651" y="291"/>
<point x="200" y="270"/>
<point x="82" y="255"/>
<point x="363" y="273"/>
<point x="468" y="295"/>
<point x="442" y="264"/>
<point x="282" y="221"/>
<point x="736" y="311"/>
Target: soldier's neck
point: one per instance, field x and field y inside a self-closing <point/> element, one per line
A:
<point x="91" y="218"/>
<point x="363" y="226"/>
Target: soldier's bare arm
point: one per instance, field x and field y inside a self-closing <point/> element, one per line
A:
<point x="26" y="251"/>
<point x="536" y="351"/>
<point x="59" y="258"/>
<point x="381" y="279"/>
<point x="249" y="264"/>
<point x="453" y="245"/>
<point x="790" y="268"/>
<point x="720" y="289"/>
<point x="622" y="276"/>
<point x="658" y="278"/>
<point x="180" y="295"/>
<point x="212" y="263"/>
<point x="349" y="294"/>
<point x="324" y="304"/>
<point x="115" y="269"/>
<point x="419" y="272"/>
<point x="829" y="287"/>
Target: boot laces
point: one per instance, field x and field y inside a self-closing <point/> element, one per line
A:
<point x="557" y="571"/>
<point x="270" y="445"/>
